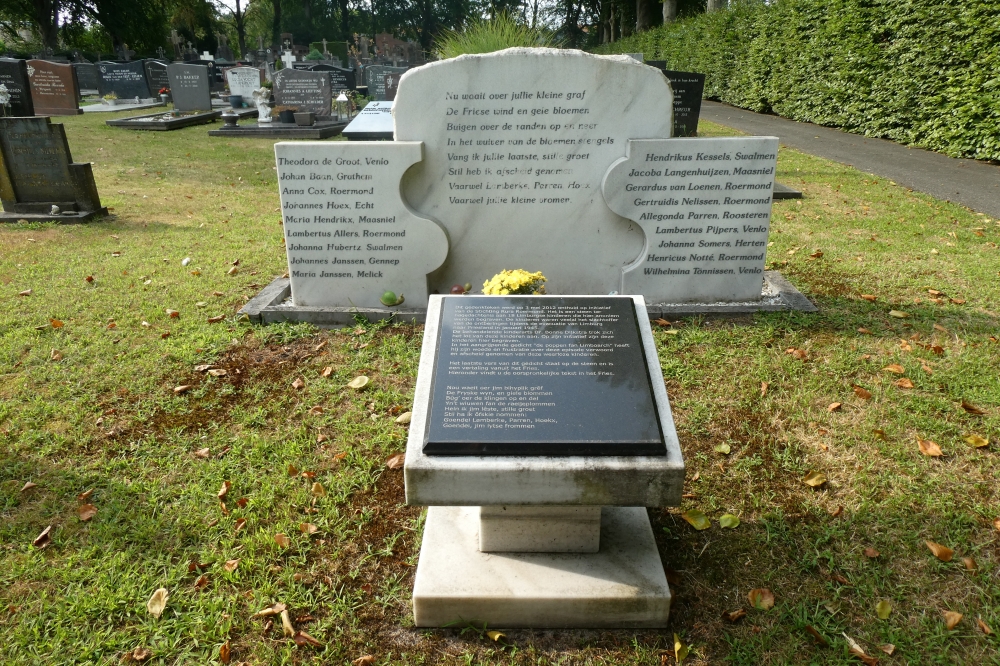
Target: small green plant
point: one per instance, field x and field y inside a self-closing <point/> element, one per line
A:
<point x="487" y="36"/>
<point x="314" y="55"/>
<point x="111" y="96"/>
<point x="515" y="282"/>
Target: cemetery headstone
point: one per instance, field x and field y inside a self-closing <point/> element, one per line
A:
<point x="222" y="51"/>
<point x="189" y="87"/>
<point x="705" y="207"/>
<point x="340" y="79"/>
<point x="54" y="90"/>
<point x="37" y="172"/>
<point x="348" y="236"/>
<point x="156" y="75"/>
<point x="391" y="85"/>
<point x="126" y="80"/>
<point x="243" y="81"/>
<point x="87" y="76"/>
<point x="303" y="90"/>
<point x="688" y="88"/>
<point x="374" y="78"/>
<point x="373" y="123"/>
<point x="14" y="76"/>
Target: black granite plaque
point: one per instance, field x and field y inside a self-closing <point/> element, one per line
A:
<point x="127" y="80"/>
<point x="519" y="375"/>
<point x="303" y="91"/>
<point x="86" y="76"/>
<point x="14" y="75"/>
<point x="156" y="75"/>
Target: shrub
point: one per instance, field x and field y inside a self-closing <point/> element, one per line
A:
<point x="920" y="72"/>
<point x="487" y="36"/>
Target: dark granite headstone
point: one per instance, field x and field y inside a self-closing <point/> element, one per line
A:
<point x="54" y="90"/>
<point x="156" y="75"/>
<point x="86" y="75"/>
<point x="391" y="85"/>
<point x="14" y="75"/>
<point x="374" y="78"/>
<point x="304" y="91"/>
<point x="688" y="88"/>
<point x="37" y="171"/>
<point x="189" y="87"/>
<point x="127" y="80"/>
<point x="340" y="78"/>
<point x="215" y="79"/>
<point x="517" y="375"/>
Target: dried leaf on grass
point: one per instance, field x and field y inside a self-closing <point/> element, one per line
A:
<point x="943" y="553"/>
<point x="224" y="653"/>
<point x="86" y="512"/>
<point x="895" y="368"/>
<point x="201" y="582"/>
<point x="303" y="639"/>
<point x="763" y="388"/>
<point x="858" y="652"/>
<point x="404" y="418"/>
<point x="680" y="650"/>
<point x="270" y="611"/>
<point x="495" y="635"/>
<point x="951" y="619"/>
<point x="976" y="441"/>
<point x="899" y="314"/>
<point x="929" y="448"/>
<point x="834" y="407"/>
<point x="862" y="392"/>
<point x="970" y="563"/>
<point x="224" y="490"/>
<point x="729" y="521"/>
<point x="43" y="539"/>
<point x="28" y="485"/>
<point x="286" y="624"/>
<point x="871" y="553"/>
<point x="183" y="388"/>
<point x="299" y="383"/>
<point x="983" y="627"/>
<point x="358" y="382"/>
<point x="308" y="528"/>
<point x="366" y="660"/>
<point x="158" y="602"/>
<point x="904" y="383"/>
<point x="140" y="654"/>
<point x="814" y="479"/>
<point x="722" y="448"/>
<point x="282" y="540"/>
<point x="972" y="409"/>
<point x="883" y="609"/>
<point x="818" y="637"/>
<point x="240" y="524"/>
<point x="800" y="354"/>
<point x="761" y="598"/>
<point x="396" y="461"/>
<point x="697" y="519"/>
<point x="230" y="565"/>
<point x="733" y="616"/>
<point x="318" y="490"/>
<point x="55" y="355"/>
<point x="888" y="648"/>
<point x="871" y="298"/>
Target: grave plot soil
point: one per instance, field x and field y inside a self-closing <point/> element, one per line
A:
<point x="269" y="485"/>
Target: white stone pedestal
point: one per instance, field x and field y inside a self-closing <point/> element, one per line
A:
<point x="539" y="529"/>
<point x="622" y="585"/>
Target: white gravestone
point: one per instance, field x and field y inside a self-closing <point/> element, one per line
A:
<point x="516" y="145"/>
<point x="348" y="234"/>
<point x="705" y="206"/>
<point x="243" y="81"/>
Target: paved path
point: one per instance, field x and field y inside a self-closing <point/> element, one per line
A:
<point x="967" y="182"/>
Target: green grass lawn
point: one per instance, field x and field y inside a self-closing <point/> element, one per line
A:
<point x="90" y="406"/>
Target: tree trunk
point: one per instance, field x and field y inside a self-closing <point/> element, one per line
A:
<point x="716" y="5"/>
<point x="345" y="21"/>
<point x="643" y="15"/>
<point x="276" y="26"/>
<point x="47" y="19"/>
<point x="241" y="29"/>
<point x="669" y="11"/>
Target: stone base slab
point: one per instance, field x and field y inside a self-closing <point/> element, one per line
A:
<point x="273" y="305"/>
<point x="622" y="586"/>
<point x="277" y="130"/>
<point x="69" y="218"/>
<point x="539" y="529"/>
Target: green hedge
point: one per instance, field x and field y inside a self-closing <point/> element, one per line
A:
<point x="920" y="72"/>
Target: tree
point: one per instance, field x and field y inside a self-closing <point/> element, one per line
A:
<point x="643" y="15"/>
<point x="669" y="11"/>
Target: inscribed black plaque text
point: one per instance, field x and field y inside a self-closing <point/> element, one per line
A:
<point x="521" y="375"/>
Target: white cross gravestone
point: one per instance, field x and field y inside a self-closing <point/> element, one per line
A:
<point x="288" y="59"/>
<point x="348" y="235"/>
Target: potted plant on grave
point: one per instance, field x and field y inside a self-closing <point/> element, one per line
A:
<point x="286" y="114"/>
<point x="111" y="99"/>
<point x="165" y="95"/>
<point x="517" y="282"/>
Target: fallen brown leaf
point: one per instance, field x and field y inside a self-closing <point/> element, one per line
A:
<point x="308" y="528"/>
<point x="763" y="388"/>
<point x="224" y="490"/>
<point x="834" y="407"/>
<point x="28" y="485"/>
<point x="85" y="495"/>
<point x="814" y="479"/>
<point x="240" y="524"/>
<point x="56" y="323"/>
<point x="286" y="624"/>
<point x="201" y="582"/>
<point x="292" y="470"/>
<point x="140" y="654"/>
<point x="836" y="512"/>
<point x="929" y="448"/>
<point x="366" y="660"/>
<point x="271" y="610"/>
<point x="299" y="383"/>
<point x="869" y="297"/>
<point x="404" y="418"/>
<point x="864" y="331"/>
<point x="55" y="355"/>
<point x="43" y="539"/>
<point x="661" y="322"/>
<point x="871" y="553"/>
<point x="895" y="368"/>
<point x="318" y="490"/>
<point x="972" y="409"/>
<point x="734" y="616"/>
<point x="943" y="553"/>
<point x="302" y="639"/>
<point x="970" y="563"/>
<point x="800" y="354"/>
<point x="203" y="453"/>
<point x="983" y="627"/>
<point x="951" y="619"/>
<point x="396" y="461"/>
<point x="327" y="371"/>
<point x="320" y="438"/>
<point x="230" y="565"/>
<point x="904" y="383"/>
<point x="818" y="637"/>
<point x="888" y="648"/>
<point x="862" y="392"/>
<point x="157" y="603"/>
<point x="316" y="410"/>
<point x="86" y="512"/>
<point x="761" y="598"/>
<point x="216" y="320"/>
<point x="224" y="653"/>
<point x="26" y="292"/>
<point x="282" y="540"/>
<point x="183" y="388"/>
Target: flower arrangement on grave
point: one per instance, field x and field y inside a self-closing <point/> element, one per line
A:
<point x="4" y="99"/>
<point x="110" y="96"/>
<point x="515" y="282"/>
<point x="164" y="91"/>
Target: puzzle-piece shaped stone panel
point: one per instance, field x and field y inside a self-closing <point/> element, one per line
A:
<point x="349" y="236"/>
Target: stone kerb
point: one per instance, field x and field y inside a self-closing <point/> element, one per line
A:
<point x="705" y="208"/>
<point x="348" y="234"/>
<point x="516" y="145"/>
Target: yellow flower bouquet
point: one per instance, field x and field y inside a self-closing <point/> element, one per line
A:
<point x="515" y="282"/>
